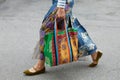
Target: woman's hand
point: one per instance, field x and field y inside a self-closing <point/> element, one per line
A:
<point x="60" y="13"/>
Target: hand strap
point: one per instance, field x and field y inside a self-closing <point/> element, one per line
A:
<point x="69" y="22"/>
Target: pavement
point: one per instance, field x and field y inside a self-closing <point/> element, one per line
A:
<point x="20" y="21"/>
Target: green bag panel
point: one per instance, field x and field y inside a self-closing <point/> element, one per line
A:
<point x="48" y="48"/>
<point x="72" y="30"/>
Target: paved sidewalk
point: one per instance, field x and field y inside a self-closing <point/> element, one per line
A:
<point x="20" y="22"/>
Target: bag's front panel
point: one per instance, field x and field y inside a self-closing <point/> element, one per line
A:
<point x="49" y="50"/>
<point x="63" y="49"/>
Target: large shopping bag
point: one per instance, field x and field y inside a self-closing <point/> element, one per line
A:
<point x="85" y="43"/>
<point x="62" y="44"/>
<point x="56" y="47"/>
<point x="49" y="49"/>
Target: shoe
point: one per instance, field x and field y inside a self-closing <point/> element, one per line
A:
<point x="27" y="72"/>
<point x="99" y="55"/>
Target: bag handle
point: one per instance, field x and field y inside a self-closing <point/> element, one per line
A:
<point x="69" y="22"/>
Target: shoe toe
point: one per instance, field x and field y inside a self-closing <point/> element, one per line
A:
<point x="27" y="72"/>
<point x="92" y="65"/>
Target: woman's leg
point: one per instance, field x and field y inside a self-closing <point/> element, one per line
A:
<point x="40" y="64"/>
<point x="39" y="67"/>
<point x="95" y="57"/>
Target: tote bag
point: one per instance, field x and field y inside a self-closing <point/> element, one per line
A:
<point x="60" y="45"/>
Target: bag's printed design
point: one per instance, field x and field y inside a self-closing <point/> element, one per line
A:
<point x="63" y="50"/>
<point x="49" y="49"/>
<point x="61" y="40"/>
